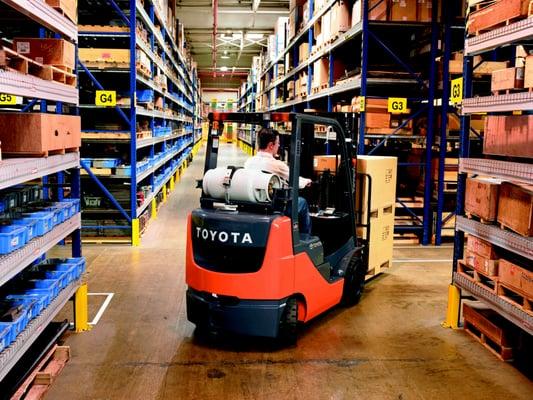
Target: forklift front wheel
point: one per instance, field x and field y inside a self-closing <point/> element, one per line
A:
<point x="354" y="282"/>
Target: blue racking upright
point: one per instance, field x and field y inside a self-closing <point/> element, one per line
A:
<point x="386" y="59"/>
<point x="57" y="176"/>
<point x="499" y="44"/>
<point x="134" y="150"/>
<point x="247" y="103"/>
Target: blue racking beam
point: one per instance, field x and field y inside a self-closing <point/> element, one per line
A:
<point x="428" y="179"/>
<point x="447" y="43"/>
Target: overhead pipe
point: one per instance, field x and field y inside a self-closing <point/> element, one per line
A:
<point x="215" y="28"/>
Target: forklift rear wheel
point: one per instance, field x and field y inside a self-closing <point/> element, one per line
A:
<point x="354" y="282"/>
<point x="288" y="324"/>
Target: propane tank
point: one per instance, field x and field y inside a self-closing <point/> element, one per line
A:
<point x="246" y="184"/>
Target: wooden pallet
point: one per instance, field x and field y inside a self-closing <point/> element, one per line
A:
<point x="516" y="297"/>
<point x="479" y="278"/>
<point x="144" y="134"/>
<point x="511" y="91"/>
<point x="474" y="217"/>
<point x="406" y="239"/>
<point x="485" y="328"/>
<point x="38" y="383"/>
<point x="388" y="131"/>
<point x="103" y="65"/>
<point x="98" y="171"/>
<point x="105" y="136"/>
<point x="43" y="154"/>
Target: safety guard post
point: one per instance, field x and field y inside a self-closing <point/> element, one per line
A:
<point x="135" y="232"/>
<point x="154" y="208"/>
<point x="452" y="314"/>
<point x="171" y="183"/>
<point x="81" y="310"/>
<point x="164" y="193"/>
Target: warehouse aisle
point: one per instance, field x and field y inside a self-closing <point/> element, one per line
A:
<point x="391" y="346"/>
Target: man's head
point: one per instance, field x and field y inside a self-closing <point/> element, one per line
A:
<point x="268" y="141"/>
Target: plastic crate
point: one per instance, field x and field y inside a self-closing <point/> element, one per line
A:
<point x="44" y="294"/>
<point x="73" y="206"/>
<point x="17" y="326"/>
<point x="123" y="170"/>
<point x="35" y="303"/>
<point x="31" y="227"/>
<point x="62" y="277"/>
<point x="88" y="162"/>
<point x="106" y="162"/>
<point x="50" y="285"/>
<point x="12" y="237"/>
<point x="145" y="95"/>
<point x="43" y="221"/>
<point x="10" y="200"/>
<point x="78" y="263"/>
<point x="5" y="336"/>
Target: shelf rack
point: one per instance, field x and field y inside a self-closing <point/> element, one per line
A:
<point x="247" y="103"/>
<point x="36" y="94"/>
<point x="521" y="172"/>
<point x="146" y="34"/>
<point x="360" y="37"/>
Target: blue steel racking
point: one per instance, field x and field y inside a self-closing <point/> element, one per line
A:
<point x="363" y="34"/>
<point x="246" y="103"/>
<point x="166" y="58"/>
<point x="36" y="92"/>
<point x="519" y="171"/>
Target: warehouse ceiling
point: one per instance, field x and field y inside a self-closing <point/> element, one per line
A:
<point x="242" y="27"/>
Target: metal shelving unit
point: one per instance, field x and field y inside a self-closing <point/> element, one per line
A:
<point x="179" y="95"/>
<point x="363" y="36"/>
<point x="36" y="95"/>
<point x="521" y="172"/>
<point x="10" y="356"/>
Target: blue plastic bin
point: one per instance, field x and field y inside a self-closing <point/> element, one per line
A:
<point x="5" y="336"/>
<point x="43" y="221"/>
<point x="16" y="327"/>
<point x="50" y="285"/>
<point x="44" y="294"/>
<point x="106" y="162"/>
<point x="78" y="262"/>
<point x="35" y="302"/>
<point x="12" y="237"/>
<point x="74" y="206"/>
<point x="145" y="95"/>
<point x="30" y="224"/>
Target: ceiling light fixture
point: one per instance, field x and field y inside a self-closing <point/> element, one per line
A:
<point x="223" y="69"/>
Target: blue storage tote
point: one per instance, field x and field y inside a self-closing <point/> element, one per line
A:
<point x="43" y="221"/>
<point x="12" y="238"/>
<point x="35" y="302"/>
<point x="30" y="224"/>
<point x="49" y="285"/>
<point x="145" y="95"/>
<point x="44" y="294"/>
<point x="74" y="206"/>
<point x="106" y="162"/>
<point x="15" y="327"/>
<point x="5" y="336"/>
<point x="78" y="263"/>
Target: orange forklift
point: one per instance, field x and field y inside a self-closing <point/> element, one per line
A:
<point x="249" y="271"/>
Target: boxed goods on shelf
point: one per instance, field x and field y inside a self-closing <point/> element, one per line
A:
<point x="46" y="51"/>
<point x="424" y="8"/>
<point x="403" y="10"/>
<point x="481" y="247"/>
<point x="495" y="14"/>
<point x="515" y="208"/>
<point x="510" y="135"/>
<point x="340" y="18"/>
<point x="507" y="79"/>
<point x="94" y="57"/>
<point x="528" y="72"/>
<point x="325" y="163"/>
<point x="67" y="7"/>
<point x="481" y="197"/>
<point x="515" y="277"/>
<point x="482" y="264"/>
<point x="451" y="169"/>
<point x="39" y="133"/>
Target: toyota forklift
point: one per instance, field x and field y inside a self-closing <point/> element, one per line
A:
<point x="249" y="270"/>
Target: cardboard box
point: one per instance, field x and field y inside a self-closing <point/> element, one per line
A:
<point x="378" y="10"/>
<point x="68" y="7"/>
<point x="326" y="163"/>
<point x="424" y="10"/>
<point x="507" y="79"/>
<point x="383" y="171"/>
<point x="516" y="277"/>
<point x="483" y="248"/>
<point x="39" y="133"/>
<point x="451" y="169"/>
<point x="481" y="198"/>
<point x="528" y="72"/>
<point x="509" y="135"/>
<point x="303" y="52"/>
<point x="120" y="56"/>
<point x="377" y="120"/>
<point x="496" y="14"/>
<point x="341" y="18"/>
<point x="46" y="51"/>
<point x="403" y="10"/>
<point x="381" y="242"/>
<point x="515" y="208"/>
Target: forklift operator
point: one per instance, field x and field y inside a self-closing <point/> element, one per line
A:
<point x="264" y="160"/>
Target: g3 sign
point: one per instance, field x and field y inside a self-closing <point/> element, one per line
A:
<point x="106" y="98"/>
<point x="7" y="99"/>
<point x="457" y="91"/>
<point x="397" y="105"/>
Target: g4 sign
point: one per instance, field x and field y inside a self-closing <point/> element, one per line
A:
<point x="397" y="105"/>
<point x="7" y="99"/>
<point x="457" y="91"/>
<point x="106" y="98"/>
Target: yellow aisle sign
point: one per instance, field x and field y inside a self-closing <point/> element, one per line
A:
<point x="106" y="98"/>
<point x="457" y="91"/>
<point x="397" y="105"/>
<point x="7" y="99"/>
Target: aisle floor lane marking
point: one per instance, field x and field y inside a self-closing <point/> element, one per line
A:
<point x="103" y="307"/>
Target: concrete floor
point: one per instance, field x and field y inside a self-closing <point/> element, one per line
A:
<point x="390" y="346"/>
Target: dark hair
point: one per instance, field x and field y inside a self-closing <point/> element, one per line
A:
<point x="266" y="136"/>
